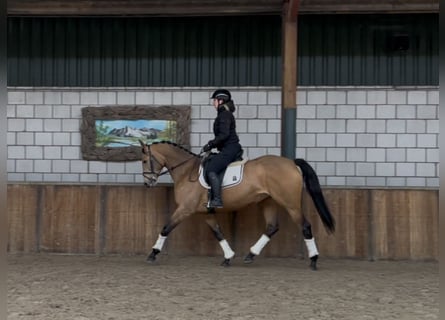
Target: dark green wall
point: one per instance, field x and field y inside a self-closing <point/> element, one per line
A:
<point x="221" y="51"/>
<point x="362" y="50"/>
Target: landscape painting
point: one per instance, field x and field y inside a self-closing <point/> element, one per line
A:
<point x="119" y="133"/>
<point x="112" y="133"/>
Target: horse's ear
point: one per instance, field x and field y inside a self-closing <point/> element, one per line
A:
<point x="144" y="146"/>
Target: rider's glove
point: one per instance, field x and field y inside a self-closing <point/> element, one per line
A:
<point x="207" y="147"/>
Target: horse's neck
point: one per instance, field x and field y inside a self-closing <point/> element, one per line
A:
<point x="180" y="163"/>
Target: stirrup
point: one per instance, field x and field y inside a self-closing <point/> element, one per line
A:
<point x="214" y="205"/>
<point x="210" y="210"/>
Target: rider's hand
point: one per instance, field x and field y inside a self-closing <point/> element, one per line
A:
<point x="206" y="148"/>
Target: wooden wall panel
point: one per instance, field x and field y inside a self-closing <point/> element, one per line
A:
<point x="69" y="221"/>
<point x="23" y="207"/>
<point x="405" y="224"/>
<point x="372" y="224"/>
<point x="424" y="218"/>
<point x="351" y="212"/>
<point x="133" y="218"/>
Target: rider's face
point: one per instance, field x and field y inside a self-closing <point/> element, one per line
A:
<point x="215" y="103"/>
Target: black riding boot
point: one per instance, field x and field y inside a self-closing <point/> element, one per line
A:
<point x="215" y="184"/>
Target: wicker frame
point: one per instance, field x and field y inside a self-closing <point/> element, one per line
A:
<point x="180" y="114"/>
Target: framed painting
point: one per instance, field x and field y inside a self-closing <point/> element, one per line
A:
<point x="112" y="133"/>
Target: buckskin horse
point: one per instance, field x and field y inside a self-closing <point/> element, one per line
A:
<point x="267" y="180"/>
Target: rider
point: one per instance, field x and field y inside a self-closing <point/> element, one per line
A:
<point x="226" y="141"/>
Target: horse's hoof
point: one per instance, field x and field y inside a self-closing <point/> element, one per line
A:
<point x="151" y="260"/>
<point x="152" y="256"/>
<point x="249" y="258"/>
<point x="225" y="263"/>
<point x="313" y="265"/>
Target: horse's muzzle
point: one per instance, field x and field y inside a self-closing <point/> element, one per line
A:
<point x="150" y="179"/>
<point x="150" y="182"/>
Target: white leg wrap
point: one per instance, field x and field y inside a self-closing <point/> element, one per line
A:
<point x="159" y="243"/>
<point x="259" y="245"/>
<point x="228" y="252"/>
<point x="311" y="247"/>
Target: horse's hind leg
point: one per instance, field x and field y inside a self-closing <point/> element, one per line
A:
<point x="228" y="252"/>
<point x="310" y="244"/>
<point x="309" y="239"/>
<point x="294" y="211"/>
<point x="270" y="215"/>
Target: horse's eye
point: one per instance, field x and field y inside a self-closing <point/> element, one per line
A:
<point x="145" y="161"/>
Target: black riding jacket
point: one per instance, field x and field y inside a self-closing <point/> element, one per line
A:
<point x="224" y="127"/>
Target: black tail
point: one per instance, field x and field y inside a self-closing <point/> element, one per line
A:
<point x="314" y="190"/>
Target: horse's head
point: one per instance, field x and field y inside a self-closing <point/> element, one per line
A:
<point x="151" y="165"/>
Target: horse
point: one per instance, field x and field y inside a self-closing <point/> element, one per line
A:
<point x="267" y="180"/>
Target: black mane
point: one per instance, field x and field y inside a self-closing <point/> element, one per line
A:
<point x="175" y="145"/>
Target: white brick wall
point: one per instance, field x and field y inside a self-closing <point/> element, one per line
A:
<point x="375" y="137"/>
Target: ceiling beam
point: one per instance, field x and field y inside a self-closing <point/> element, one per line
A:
<point x="142" y="7"/>
<point x="372" y="6"/>
<point x="209" y="7"/>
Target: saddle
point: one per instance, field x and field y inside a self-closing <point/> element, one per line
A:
<point x="230" y="177"/>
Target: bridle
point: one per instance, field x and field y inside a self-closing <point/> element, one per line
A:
<point x="152" y="172"/>
<point x="160" y="173"/>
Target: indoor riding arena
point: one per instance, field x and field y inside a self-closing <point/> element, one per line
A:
<point x="350" y="87"/>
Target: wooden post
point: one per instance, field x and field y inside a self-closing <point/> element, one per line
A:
<point x="289" y="83"/>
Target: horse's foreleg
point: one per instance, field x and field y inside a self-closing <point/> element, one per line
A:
<point x="157" y="248"/>
<point x="228" y="252"/>
<point x="310" y="244"/>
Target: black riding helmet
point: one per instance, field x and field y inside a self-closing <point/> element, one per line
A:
<point x="222" y="94"/>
